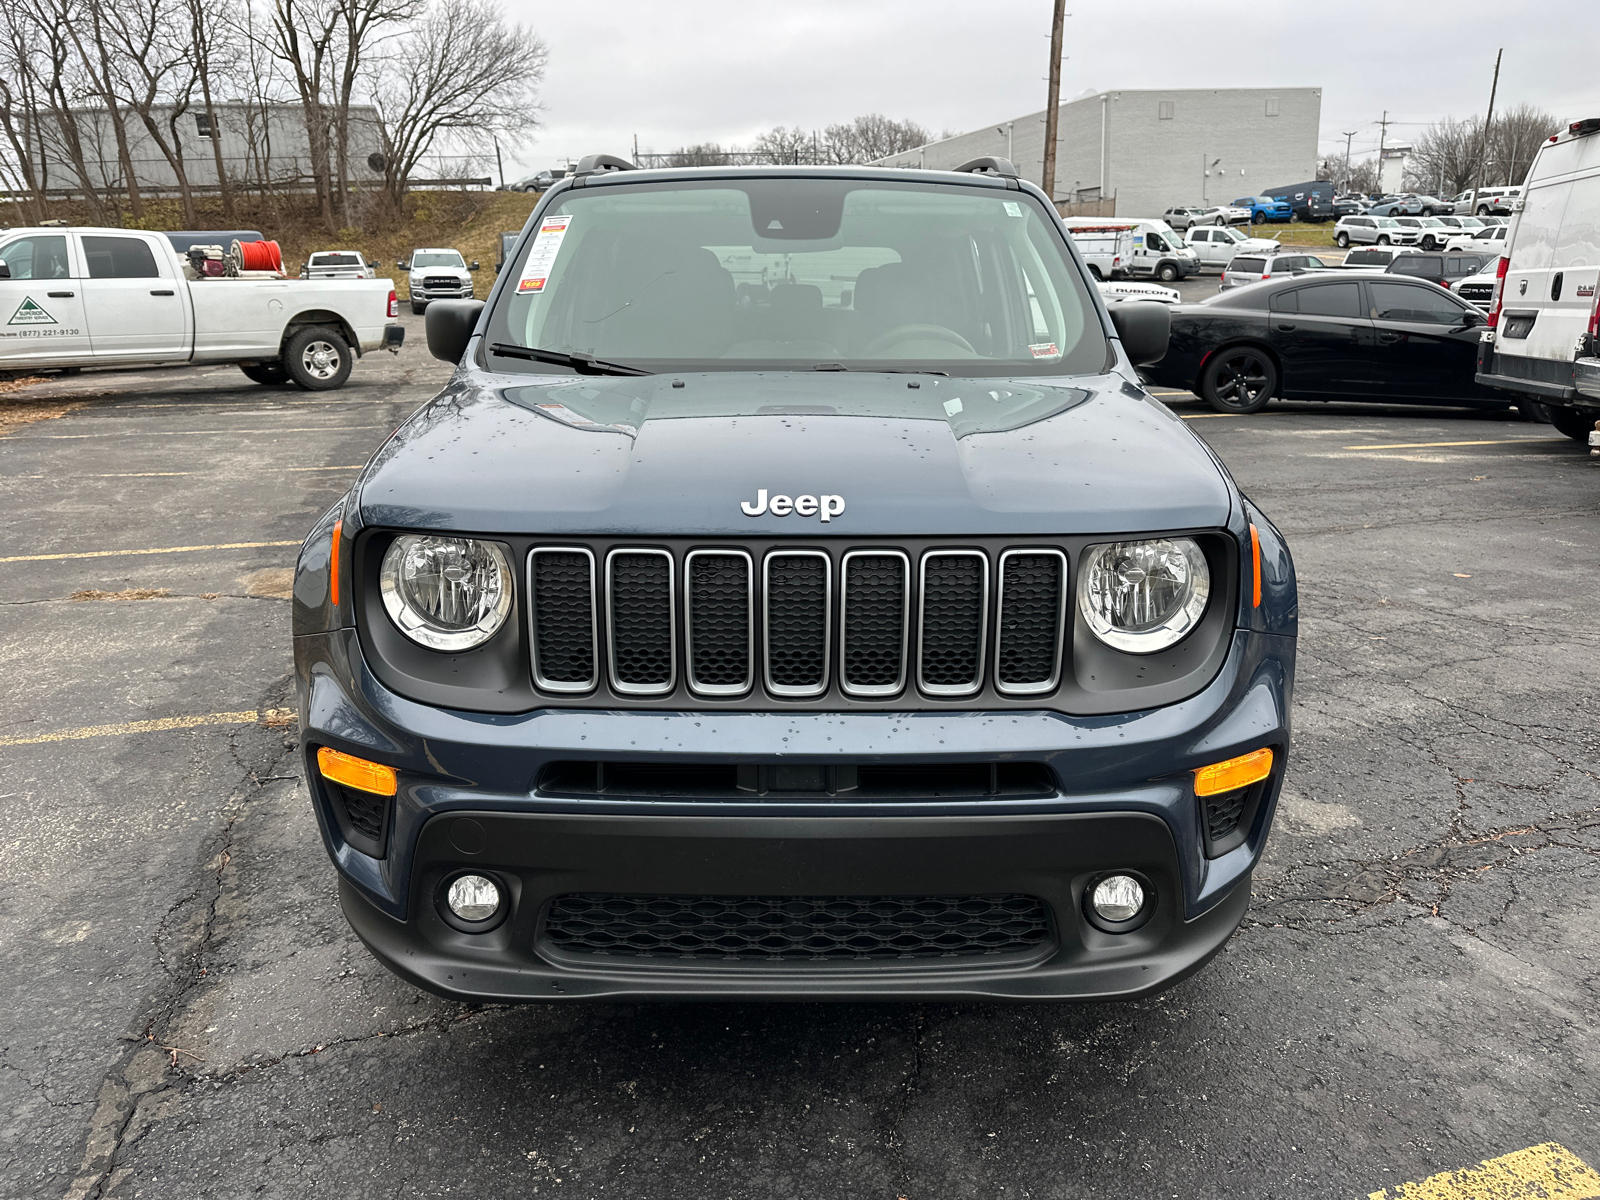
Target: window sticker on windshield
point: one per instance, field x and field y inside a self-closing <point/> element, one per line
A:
<point x="1044" y="350"/>
<point x="1013" y="209"/>
<point x="952" y="407"/>
<point x="536" y="271"/>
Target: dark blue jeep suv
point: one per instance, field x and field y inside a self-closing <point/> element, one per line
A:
<point x="794" y="593"/>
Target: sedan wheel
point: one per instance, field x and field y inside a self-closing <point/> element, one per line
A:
<point x="1383" y="239"/>
<point x="1239" y="380"/>
<point x="1342" y="240"/>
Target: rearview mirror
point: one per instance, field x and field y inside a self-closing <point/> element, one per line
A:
<point x="1143" y="327"/>
<point x="449" y="324"/>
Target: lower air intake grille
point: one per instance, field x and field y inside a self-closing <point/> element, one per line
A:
<point x="563" y="619"/>
<point x="797" y="623"/>
<point x="641" y="620"/>
<point x="953" y="587"/>
<point x="1223" y="813"/>
<point x="724" y="929"/>
<point x="1028" y="641"/>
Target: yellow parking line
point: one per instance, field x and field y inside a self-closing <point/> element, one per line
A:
<point x="1203" y="416"/>
<point x="75" y="437"/>
<point x="1549" y="1171"/>
<point x="250" y="716"/>
<point x="169" y="474"/>
<point x="157" y="550"/>
<point x="1423" y="445"/>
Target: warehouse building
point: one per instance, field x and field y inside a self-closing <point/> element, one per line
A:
<point x="1136" y="153"/>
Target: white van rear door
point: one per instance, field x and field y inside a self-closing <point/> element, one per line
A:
<point x="1554" y="268"/>
<point x="133" y="300"/>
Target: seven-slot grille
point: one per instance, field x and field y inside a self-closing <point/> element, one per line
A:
<point x="439" y="283"/>
<point x="797" y="622"/>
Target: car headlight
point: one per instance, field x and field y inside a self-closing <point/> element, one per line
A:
<point x="446" y="593"/>
<point x="1142" y="597"/>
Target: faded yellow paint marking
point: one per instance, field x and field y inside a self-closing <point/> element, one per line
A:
<point x="171" y="474"/>
<point x="158" y="550"/>
<point x="77" y="437"/>
<point x="1547" y="1172"/>
<point x="252" y="716"/>
<point x="1205" y="416"/>
<point x="1427" y="445"/>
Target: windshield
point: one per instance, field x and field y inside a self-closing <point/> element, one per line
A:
<point x="798" y="274"/>
<point x="1233" y="235"/>
<point x="1388" y="223"/>
<point x="437" y="258"/>
<point x="1433" y="222"/>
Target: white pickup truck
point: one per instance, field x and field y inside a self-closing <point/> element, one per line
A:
<point x="84" y="297"/>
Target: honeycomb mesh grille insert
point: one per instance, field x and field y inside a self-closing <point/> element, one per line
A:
<point x="719" y="620"/>
<point x="952" y="620"/>
<point x="1223" y="813"/>
<point x="563" y="616"/>
<point x="797" y="621"/>
<point x="641" y="619"/>
<point x="804" y="928"/>
<point x="1027" y="644"/>
<point x="365" y="812"/>
<point x="874" y="620"/>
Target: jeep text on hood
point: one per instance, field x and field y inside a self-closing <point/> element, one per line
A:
<point x="794" y="592"/>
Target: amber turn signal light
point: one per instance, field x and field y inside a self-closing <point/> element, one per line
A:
<point x="357" y="773"/>
<point x="1232" y="775"/>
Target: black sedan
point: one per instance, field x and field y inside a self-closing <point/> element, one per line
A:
<point x="1371" y="338"/>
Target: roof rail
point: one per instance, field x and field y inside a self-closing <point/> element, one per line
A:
<point x="594" y="164"/>
<point x="988" y="166"/>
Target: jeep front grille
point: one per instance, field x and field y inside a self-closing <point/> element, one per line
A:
<point x="798" y="624"/>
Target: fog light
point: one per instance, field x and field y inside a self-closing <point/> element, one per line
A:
<point x="473" y="898"/>
<point x="1117" y="898"/>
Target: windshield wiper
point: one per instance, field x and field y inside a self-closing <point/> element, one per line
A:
<point x="833" y="366"/>
<point x="583" y="364"/>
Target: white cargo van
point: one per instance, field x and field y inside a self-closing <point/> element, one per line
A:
<point x="1543" y="339"/>
<point x="1159" y="251"/>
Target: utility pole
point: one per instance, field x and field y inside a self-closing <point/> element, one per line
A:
<point x="1348" y="134"/>
<point x="499" y="166"/>
<point x="1057" y="30"/>
<point x="1383" y="133"/>
<point x="1483" y="141"/>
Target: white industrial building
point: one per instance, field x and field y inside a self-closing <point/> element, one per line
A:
<point x="1149" y="149"/>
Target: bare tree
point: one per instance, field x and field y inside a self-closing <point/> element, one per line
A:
<point x="463" y="75"/>
<point x="363" y="23"/>
<point x="1446" y="156"/>
<point x="793" y="146"/>
<point x="871" y="137"/>
<point x="213" y="51"/>
<point x="1513" y="139"/>
<point x="305" y="33"/>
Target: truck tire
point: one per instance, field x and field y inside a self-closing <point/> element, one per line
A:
<point x="1167" y="273"/>
<point x="1239" y="380"/>
<point x="317" y="358"/>
<point x="418" y="309"/>
<point x="1533" y="410"/>
<point x="271" y="374"/>
<point x="1576" y="423"/>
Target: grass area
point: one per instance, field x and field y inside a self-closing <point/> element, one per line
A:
<point x="1294" y="233"/>
<point x="471" y="222"/>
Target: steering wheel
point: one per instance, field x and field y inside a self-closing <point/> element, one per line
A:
<point x="905" y="333"/>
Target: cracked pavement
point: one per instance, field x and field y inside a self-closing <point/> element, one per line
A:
<point x="188" y="1015"/>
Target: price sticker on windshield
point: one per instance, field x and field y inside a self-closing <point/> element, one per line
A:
<point x="546" y="245"/>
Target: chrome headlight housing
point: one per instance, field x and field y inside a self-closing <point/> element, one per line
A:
<point x="446" y="593"/>
<point x="1142" y="597"/>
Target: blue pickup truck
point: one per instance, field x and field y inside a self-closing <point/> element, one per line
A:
<point x="1266" y="208"/>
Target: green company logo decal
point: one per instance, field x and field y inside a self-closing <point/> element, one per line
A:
<point x="29" y="313"/>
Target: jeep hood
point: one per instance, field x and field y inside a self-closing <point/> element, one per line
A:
<point x="525" y="454"/>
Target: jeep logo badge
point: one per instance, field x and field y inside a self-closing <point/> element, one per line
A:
<point x="827" y="507"/>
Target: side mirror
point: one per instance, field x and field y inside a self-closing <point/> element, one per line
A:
<point x="449" y="325"/>
<point x="1143" y="327"/>
<point x="375" y="266"/>
<point x="402" y="265"/>
<point x="474" y="265"/>
<point x="5" y="271"/>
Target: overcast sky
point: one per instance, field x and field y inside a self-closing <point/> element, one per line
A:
<point x="724" y="70"/>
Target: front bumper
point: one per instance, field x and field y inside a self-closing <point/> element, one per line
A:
<point x="469" y="799"/>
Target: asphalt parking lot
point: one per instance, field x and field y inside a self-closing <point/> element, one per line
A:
<point x="187" y="1014"/>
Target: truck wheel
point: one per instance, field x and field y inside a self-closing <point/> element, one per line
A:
<point x="318" y="359"/>
<point x="1239" y="380"/>
<point x="1167" y="273"/>
<point x="1576" y="423"/>
<point x="1533" y="410"/>
<point x="1342" y="240"/>
<point x="1095" y="271"/>
<point x="272" y="374"/>
<point x="418" y="309"/>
